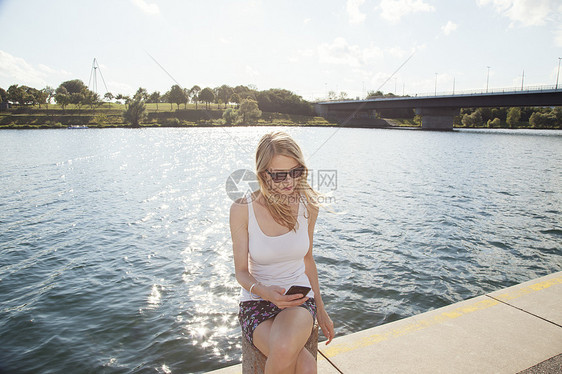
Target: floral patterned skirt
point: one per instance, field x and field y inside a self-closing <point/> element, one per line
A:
<point x="254" y="312"/>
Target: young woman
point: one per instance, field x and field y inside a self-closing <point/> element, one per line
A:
<point x="272" y="233"/>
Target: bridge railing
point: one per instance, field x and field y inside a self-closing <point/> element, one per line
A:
<point x="483" y="91"/>
<point x="491" y="91"/>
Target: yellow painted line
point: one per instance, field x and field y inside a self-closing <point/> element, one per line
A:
<point x="522" y="291"/>
<point x="420" y="324"/>
<point x="417" y="325"/>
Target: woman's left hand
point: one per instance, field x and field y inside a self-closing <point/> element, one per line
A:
<point x="326" y="324"/>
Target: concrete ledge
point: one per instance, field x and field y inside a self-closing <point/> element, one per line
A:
<point x="506" y="331"/>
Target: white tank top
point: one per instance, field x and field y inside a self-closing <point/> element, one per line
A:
<point x="277" y="260"/>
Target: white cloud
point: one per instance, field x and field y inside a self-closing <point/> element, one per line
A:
<point x="398" y="52"/>
<point x="393" y="10"/>
<point x="120" y="88"/>
<point x="251" y="71"/>
<point x="558" y="36"/>
<point x="526" y="12"/>
<point x="353" y="12"/>
<point x="340" y="52"/>
<point x="16" y="70"/>
<point x="449" y="27"/>
<point x="148" y="8"/>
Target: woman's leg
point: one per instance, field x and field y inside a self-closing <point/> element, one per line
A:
<point x="282" y="340"/>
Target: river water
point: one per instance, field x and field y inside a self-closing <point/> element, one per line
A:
<point x="115" y="252"/>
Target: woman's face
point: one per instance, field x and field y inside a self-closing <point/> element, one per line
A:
<point x="281" y="163"/>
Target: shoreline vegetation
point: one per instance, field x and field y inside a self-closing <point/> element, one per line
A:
<point x="23" y="107"/>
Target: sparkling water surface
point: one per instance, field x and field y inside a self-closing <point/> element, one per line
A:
<point x="115" y="251"/>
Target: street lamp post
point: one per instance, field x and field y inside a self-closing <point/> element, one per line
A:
<point x="453" y="85"/>
<point x="487" y="78"/>
<point x="435" y="84"/>
<point x="558" y="73"/>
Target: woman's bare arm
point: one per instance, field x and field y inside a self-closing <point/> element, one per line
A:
<point x="311" y="271"/>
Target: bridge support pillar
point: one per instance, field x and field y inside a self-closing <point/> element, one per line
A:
<point x="440" y="119"/>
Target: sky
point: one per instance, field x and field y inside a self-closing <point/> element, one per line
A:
<point x="309" y="47"/>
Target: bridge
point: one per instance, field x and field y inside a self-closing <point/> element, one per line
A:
<point x="437" y="112"/>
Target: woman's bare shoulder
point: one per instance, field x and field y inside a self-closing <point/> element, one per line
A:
<point x="239" y="208"/>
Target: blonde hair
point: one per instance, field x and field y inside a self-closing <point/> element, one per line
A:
<point x="281" y="143"/>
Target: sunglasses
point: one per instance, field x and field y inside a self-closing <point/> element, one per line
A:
<point x="280" y="176"/>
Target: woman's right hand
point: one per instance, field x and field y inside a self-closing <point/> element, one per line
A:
<point x="277" y="296"/>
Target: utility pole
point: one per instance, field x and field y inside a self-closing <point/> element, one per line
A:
<point x="453" y="85"/>
<point x="522" y="79"/>
<point x="558" y="73"/>
<point x="487" y="79"/>
<point x="435" y="84"/>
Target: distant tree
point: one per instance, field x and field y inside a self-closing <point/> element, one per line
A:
<point x="135" y="113"/>
<point x="62" y="97"/>
<point x="235" y="98"/>
<point x="496" y="122"/>
<point x="141" y="94"/>
<point x="472" y="120"/>
<point x="92" y="99"/>
<point x="127" y="100"/>
<point x="41" y="97"/>
<point x="78" y="92"/>
<point x="176" y="95"/>
<point x="74" y="86"/>
<point x="245" y="92"/>
<point x="230" y="115"/>
<point x="542" y="120"/>
<point x="3" y="95"/>
<point x="17" y="94"/>
<point x="50" y="94"/>
<point x="77" y="99"/>
<point x="513" y="116"/>
<point x="207" y="96"/>
<point x="154" y="98"/>
<point x="332" y="95"/>
<point x="194" y="94"/>
<point x="186" y="94"/>
<point x="343" y="95"/>
<point x="265" y="102"/>
<point x="557" y="111"/>
<point x="216" y="98"/>
<point x="34" y="95"/>
<point x="500" y="113"/>
<point x="108" y="97"/>
<point x="486" y="114"/>
<point x="374" y="94"/>
<point x="166" y="99"/>
<point x="283" y="101"/>
<point x="224" y="94"/>
<point x="249" y="111"/>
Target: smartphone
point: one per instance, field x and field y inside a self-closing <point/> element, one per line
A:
<point x="303" y="290"/>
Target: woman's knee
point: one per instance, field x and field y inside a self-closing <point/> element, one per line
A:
<point x="283" y="350"/>
<point x="306" y="363"/>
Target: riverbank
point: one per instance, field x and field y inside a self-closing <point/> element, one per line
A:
<point x="166" y="115"/>
<point x="512" y="330"/>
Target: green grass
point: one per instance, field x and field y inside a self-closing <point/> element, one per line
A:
<point x="161" y="115"/>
